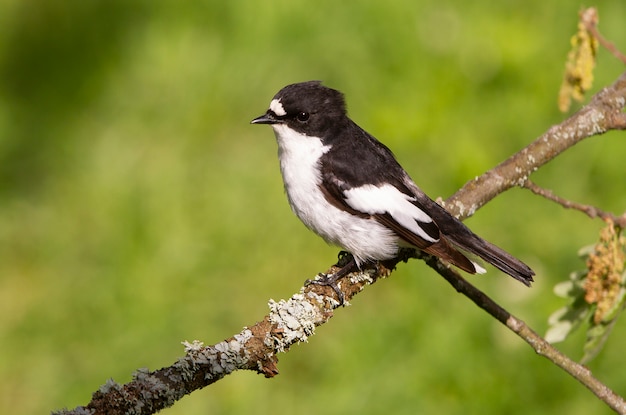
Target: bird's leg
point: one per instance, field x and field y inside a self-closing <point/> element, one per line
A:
<point x="347" y="264"/>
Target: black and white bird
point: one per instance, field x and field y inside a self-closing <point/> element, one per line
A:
<point x="348" y="188"/>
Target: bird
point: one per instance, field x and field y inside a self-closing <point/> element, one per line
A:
<point x="348" y="188"/>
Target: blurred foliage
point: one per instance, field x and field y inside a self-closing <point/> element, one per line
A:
<point x="138" y="208"/>
<point x="581" y="61"/>
<point x="596" y="295"/>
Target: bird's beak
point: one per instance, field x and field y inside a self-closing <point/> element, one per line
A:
<point x="267" y="118"/>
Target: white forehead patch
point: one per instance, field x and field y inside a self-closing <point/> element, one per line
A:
<point x="277" y="108"/>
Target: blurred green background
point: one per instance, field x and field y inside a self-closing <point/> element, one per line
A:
<point x="138" y="207"/>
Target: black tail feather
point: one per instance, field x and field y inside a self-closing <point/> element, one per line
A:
<point x="460" y="235"/>
<point x="497" y="257"/>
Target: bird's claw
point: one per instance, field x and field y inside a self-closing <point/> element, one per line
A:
<point x="329" y="280"/>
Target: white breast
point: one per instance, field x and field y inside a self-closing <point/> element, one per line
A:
<point x="299" y="164"/>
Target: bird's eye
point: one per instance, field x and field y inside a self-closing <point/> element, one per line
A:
<point x="302" y="116"/>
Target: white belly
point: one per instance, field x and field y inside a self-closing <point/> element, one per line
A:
<point x="364" y="238"/>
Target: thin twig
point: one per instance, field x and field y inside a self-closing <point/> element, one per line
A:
<point x="538" y="343"/>
<point x="589" y="18"/>
<point x="591" y="211"/>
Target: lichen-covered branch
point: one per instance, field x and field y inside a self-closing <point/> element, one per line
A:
<point x="293" y="321"/>
<point x="254" y="348"/>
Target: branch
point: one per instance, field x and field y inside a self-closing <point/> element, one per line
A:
<point x="293" y="321"/>
<point x="254" y="348"/>
<point x="538" y="343"/>
<point x="603" y="113"/>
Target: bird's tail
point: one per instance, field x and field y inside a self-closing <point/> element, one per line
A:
<point x="453" y="248"/>
<point x="497" y="257"/>
<point x="456" y="234"/>
<point x="459" y="235"/>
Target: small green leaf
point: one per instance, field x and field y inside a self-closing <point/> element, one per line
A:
<point x="585" y="251"/>
<point x="565" y="320"/>
<point x="572" y="288"/>
<point x="597" y="335"/>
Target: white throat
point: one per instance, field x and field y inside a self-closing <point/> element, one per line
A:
<point x="299" y="157"/>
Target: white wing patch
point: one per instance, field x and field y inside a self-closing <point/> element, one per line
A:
<point x="387" y="199"/>
<point x="277" y="108"/>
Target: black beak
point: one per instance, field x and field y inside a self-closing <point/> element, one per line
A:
<point x="267" y="118"/>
